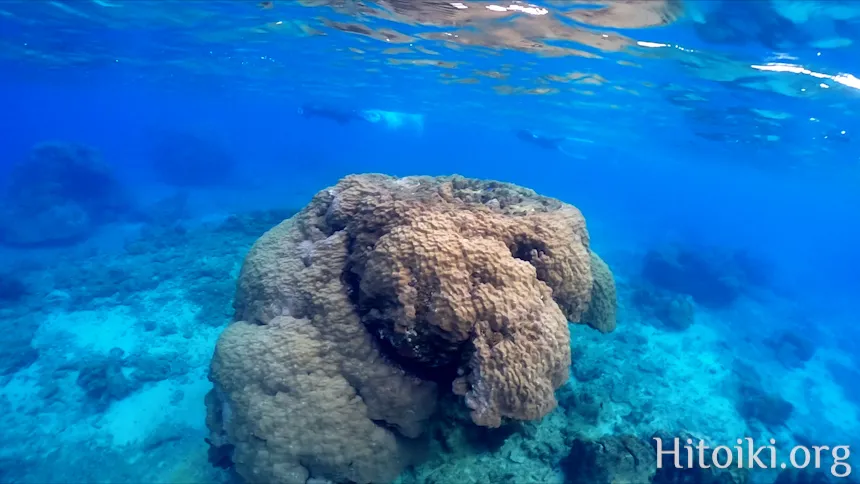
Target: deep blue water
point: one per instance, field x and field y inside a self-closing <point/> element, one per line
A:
<point x="712" y="150"/>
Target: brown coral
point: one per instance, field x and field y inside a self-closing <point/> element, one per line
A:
<point x="601" y="314"/>
<point x="351" y="312"/>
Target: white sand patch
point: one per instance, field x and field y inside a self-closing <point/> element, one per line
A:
<point x="137" y="418"/>
<point x="99" y="330"/>
<point x="134" y="418"/>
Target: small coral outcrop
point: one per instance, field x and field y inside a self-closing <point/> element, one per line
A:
<point x="58" y="196"/>
<point x="674" y="311"/>
<point x="355" y="313"/>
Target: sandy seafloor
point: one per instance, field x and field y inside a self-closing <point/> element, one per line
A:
<point x="124" y="335"/>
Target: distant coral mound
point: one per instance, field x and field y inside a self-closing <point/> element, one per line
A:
<point x="59" y="195"/>
<point x="714" y="277"/>
<point x="185" y="159"/>
<point x="352" y="315"/>
<point x="675" y="311"/>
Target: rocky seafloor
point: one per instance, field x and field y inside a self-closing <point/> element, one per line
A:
<point x="106" y="353"/>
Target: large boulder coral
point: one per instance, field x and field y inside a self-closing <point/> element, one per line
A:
<point x="353" y="314"/>
<point x="59" y="195"/>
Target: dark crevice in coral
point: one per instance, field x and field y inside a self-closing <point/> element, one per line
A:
<point x="423" y="354"/>
<point x="220" y="455"/>
<point x="387" y="425"/>
<point x="531" y="251"/>
<point x="425" y="359"/>
<point x="527" y="250"/>
<point x="332" y="226"/>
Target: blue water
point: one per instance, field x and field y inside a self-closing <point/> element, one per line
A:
<point x="710" y="146"/>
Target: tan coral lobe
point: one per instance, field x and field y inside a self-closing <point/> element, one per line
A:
<point x="352" y="312"/>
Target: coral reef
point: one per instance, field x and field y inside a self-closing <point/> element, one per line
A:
<point x="184" y="159"/>
<point x="73" y="410"/>
<point x="714" y="277"/>
<point x="674" y="311"/>
<point x="164" y="301"/>
<point x="59" y="195"/>
<point x="602" y="309"/>
<point x="351" y="314"/>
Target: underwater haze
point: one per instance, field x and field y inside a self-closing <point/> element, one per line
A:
<point x="428" y="242"/>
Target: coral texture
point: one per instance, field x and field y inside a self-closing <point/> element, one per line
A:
<point x="351" y="313"/>
<point x="601" y="314"/>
